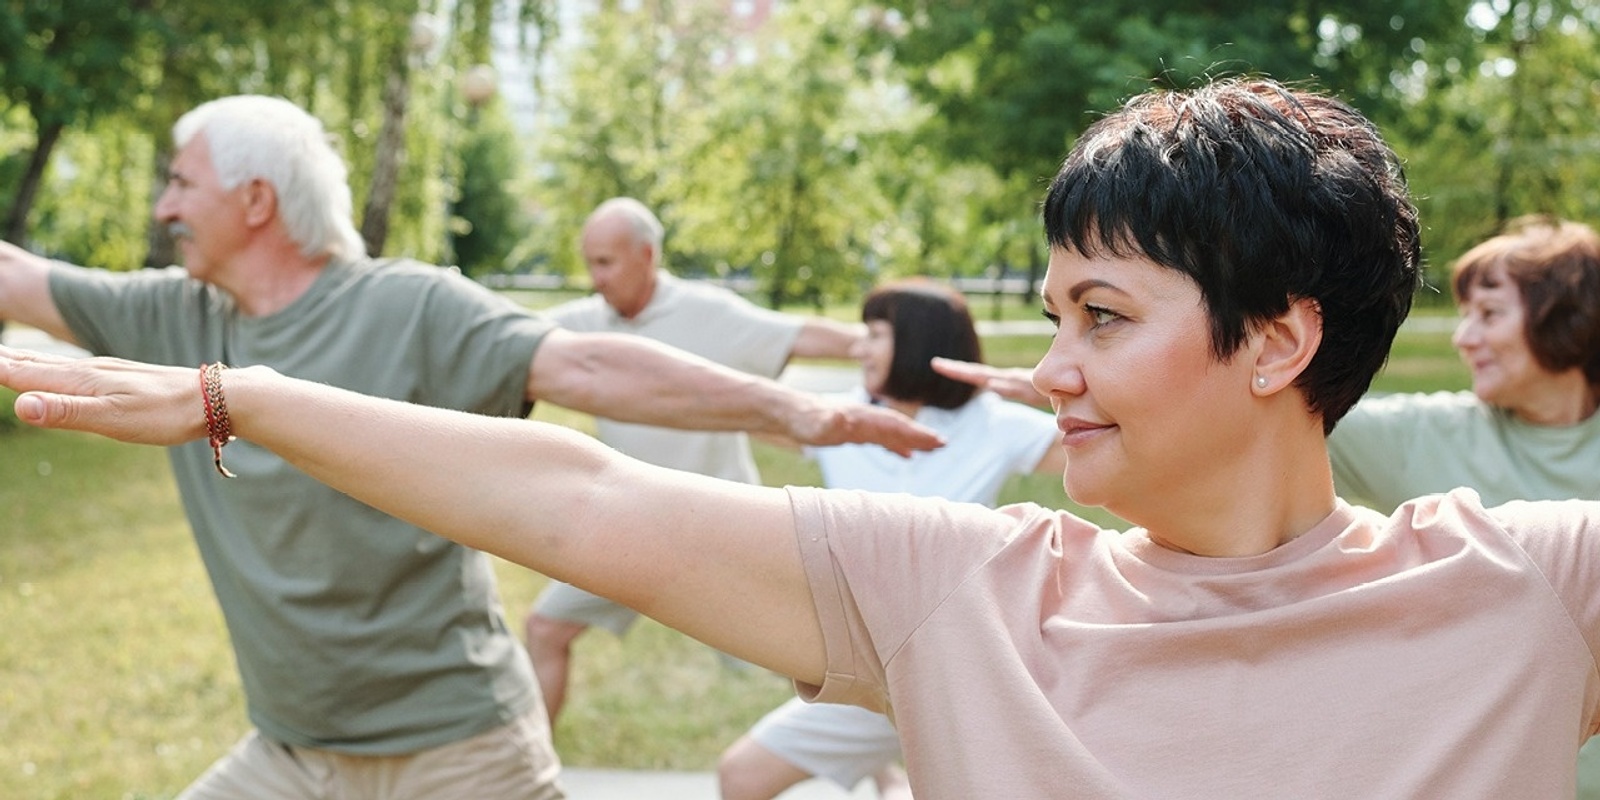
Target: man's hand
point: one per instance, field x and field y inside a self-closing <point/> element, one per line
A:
<point x="1015" y="383"/>
<point x="830" y="423"/>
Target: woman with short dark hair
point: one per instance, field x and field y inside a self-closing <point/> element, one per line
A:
<point x="1228" y="268"/>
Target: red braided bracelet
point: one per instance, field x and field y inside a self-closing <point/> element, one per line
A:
<point x="218" y="427"/>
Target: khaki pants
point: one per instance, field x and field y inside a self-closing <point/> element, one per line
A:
<point x="513" y="761"/>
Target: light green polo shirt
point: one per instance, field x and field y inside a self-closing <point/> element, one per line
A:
<point x="1391" y="449"/>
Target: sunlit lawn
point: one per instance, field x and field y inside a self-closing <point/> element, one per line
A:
<point x="116" y="679"/>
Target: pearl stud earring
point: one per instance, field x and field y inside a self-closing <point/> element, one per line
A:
<point x="1261" y="381"/>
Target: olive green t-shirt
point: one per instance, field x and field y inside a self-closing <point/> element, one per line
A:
<point x="353" y="631"/>
<point x="1394" y="448"/>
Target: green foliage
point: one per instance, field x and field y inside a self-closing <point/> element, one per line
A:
<point x="488" y="212"/>
<point x="118" y="74"/>
<point x="1016" y="80"/>
<point x="73" y="60"/>
<point x="832" y="146"/>
<point x="1509" y="132"/>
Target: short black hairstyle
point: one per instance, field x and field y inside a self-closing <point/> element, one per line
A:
<point x="1263" y="195"/>
<point x="929" y="321"/>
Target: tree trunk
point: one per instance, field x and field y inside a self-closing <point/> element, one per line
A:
<point x="28" y="187"/>
<point x="391" y="147"/>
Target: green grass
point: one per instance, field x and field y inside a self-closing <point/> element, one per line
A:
<point x="117" y="681"/>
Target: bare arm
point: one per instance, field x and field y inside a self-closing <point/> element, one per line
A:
<point x="717" y="560"/>
<point x="25" y="292"/>
<point x="821" y="337"/>
<point x="634" y="379"/>
<point x="1014" y="383"/>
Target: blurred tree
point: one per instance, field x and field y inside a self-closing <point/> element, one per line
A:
<point x="627" y="111"/>
<point x="764" y="152"/>
<point x="68" y="63"/>
<point x="124" y="70"/>
<point x="1509" y="128"/>
<point x="1016" y="80"/>
<point x="488" y="212"/>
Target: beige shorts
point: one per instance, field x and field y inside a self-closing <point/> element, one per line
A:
<point x="568" y="603"/>
<point x="515" y="760"/>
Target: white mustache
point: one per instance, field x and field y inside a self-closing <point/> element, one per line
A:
<point x="179" y="230"/>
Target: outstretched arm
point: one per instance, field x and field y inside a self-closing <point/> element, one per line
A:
<point x="1014" y="383"/>
<point x="635" y="379"/>
<point x="821" y="337"/>
<point x="717" y="560"/>
<point x="25" y="292"/>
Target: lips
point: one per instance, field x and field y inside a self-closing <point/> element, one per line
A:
<point x="1076" y="431"/>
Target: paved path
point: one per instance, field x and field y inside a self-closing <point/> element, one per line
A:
<point x="612" y="784"/>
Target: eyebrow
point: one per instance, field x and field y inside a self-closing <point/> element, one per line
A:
<point x="1081" y="288"/>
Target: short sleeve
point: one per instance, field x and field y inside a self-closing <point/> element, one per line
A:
<point x="879" y="565"/>
<point x="1563" y="538"/>
<point x="154" y="315"/>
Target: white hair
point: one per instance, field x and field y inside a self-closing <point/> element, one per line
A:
<point x="254" y="136"/>
<point x="645" y="225"/>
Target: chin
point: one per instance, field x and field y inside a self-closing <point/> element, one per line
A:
<point x="1085" y="490"/>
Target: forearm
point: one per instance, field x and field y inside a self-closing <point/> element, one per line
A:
<point x="689" y="551"/>
<point x="825" y="338"/>
<point x="25" y="292"/>
<point x="634" y="379"/>
<point x="461" y="476"/>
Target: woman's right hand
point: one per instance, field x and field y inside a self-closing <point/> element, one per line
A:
<point x="123" y="400"/>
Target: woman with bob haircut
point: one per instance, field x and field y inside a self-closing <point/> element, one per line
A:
<point x="987" y="440"/>
<point x="1228" y="267"/>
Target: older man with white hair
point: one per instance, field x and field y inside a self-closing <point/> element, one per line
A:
<point x="375" y="658"/>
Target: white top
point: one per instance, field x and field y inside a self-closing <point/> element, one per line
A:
<point x="710" y="322"/>
<point x="989" y="439"/>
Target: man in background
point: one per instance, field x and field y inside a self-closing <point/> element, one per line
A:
<point x="375" y="659"/>
<point x="622" y="248"/>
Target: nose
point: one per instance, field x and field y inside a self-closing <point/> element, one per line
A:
<point x="164" y="210"/>
<point x="1060" y="372"/>
<point x="1465" y="334"/>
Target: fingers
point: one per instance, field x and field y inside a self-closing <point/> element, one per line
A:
<point x="965" y="371"/>
<point x="120" y="399"/>
<point x="894" y="431"/>
<point x="45" y="410"/>
<point x="32" y="409"/>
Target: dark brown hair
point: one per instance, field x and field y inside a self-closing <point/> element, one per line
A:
<point x="929" y="320"/>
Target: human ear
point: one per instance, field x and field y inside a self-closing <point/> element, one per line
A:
<point x="1285" y="345"/>
<point x="260" y="202"/>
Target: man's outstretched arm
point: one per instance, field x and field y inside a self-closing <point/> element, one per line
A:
<point x="634" y="379"/>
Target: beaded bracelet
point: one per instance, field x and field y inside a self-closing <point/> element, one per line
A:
<point x="218" y="427"/>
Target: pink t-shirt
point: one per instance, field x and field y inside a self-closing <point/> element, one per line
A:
<point x="1445" y="651"/>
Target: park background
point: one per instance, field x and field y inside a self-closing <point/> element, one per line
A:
<point x="798" y="151"/>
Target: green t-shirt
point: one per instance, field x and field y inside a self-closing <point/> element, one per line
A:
<point x="353" y="630"/>
<point x="1391" y="449"/>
